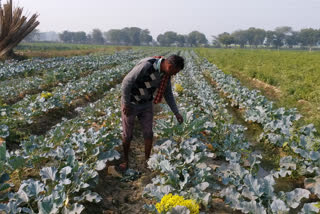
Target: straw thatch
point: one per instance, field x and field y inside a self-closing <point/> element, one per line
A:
<point x="14" y="27"/>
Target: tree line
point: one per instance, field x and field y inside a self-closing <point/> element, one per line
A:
<point x="280" y="37"/>
<point x="134" y="36"/>
<point x="128" y="36"/>
<point x="253" y="37"/>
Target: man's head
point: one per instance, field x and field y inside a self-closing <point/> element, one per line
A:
<point x="172" y="65"/>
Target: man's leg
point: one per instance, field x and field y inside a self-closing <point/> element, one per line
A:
<point x="126" y="148"/>
<point x="147" y="148"/>
<point x="127" y="128"/>
<point x="146" y="120"/>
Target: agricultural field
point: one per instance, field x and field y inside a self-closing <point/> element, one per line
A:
<point x="29" y="50"/>
<point x="290" y="78"/>
<point x="238" y="150"/>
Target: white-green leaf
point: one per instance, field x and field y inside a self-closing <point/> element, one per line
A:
<point x="278" y="206"/>
<point x="48" y="173"/>
<point x="179" y="210"/>
<point x="75" y="209"/>
<point x="294" y="197"/>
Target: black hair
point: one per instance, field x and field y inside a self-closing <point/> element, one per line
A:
<point x="176" y="61"/>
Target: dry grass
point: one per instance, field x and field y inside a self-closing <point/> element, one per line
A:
<point x="14" y="27"/>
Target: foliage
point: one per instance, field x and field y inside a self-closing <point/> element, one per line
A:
<point x="128" y="36"/>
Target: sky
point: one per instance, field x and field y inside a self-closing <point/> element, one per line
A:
<point x="210" y="17"/>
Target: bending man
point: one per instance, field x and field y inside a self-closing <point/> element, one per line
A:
<point x="138" y="88"/>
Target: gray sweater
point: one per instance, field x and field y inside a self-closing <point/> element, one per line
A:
<point x="141" y="82"/>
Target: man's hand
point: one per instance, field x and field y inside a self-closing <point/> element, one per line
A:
<point x="179" y="118"/>
<point x="126" y="110"/>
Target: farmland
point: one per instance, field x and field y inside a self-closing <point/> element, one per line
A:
<point x="239" y="150"/>
<point x="296" y="75"/>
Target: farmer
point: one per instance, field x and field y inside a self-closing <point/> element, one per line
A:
<point x="137" y="99"/>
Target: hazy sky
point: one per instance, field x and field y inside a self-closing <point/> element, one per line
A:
<point x="211" y="17"/>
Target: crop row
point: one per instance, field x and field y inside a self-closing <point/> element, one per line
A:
<point x="29" y="67"/>
<point x="279" y="127"/>
<point x="63" y="98"/>
<point x="14" y="90"/>
<point x="182" y="156"/>
<point x="242" y="187"/>
<point x="72" y="165"/>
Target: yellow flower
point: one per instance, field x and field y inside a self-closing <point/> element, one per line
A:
<point x="178" y="88"/>
<point x="170" y="201"/>
<point x="46" y="95"/>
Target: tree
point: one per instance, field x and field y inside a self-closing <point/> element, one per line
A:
<point x="278" y="39"/>
<point x="66" y="36"/>
<point x="162" y="40"/>
<point x="309" y="37"/>
<point x="195" y="38"/>
<point x="251" y="35"/>
<point x="97" y="37"/>
<point x="259" y="36"/>
<point x="80" y="37"/>
<point x="275" y="38"/>
<point x="255" y="36"/>
<point x="133" y="35"/>
<point x="117" y="37"/>
<point x="269" y="38"/>
<point x="292" y="39"/>
<point x="168" y="38"/>
<point x="226" y="39"/>
<point x="14" y="27"/>
<point x="145" y="37"/>
<point x="240" y="38"/>
<point x="113" y="36"/>
<point x="215" y="42"/>
<point x="171" y="38"/>
<point x="181" y="40"/>
<point x="128" y="36"/>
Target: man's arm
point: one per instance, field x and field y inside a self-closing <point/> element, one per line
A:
<point x="168" y="96"/>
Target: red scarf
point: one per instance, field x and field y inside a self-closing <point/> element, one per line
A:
<point x="162" y="88"/>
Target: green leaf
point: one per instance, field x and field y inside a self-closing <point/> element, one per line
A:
<point x="4" y="177"/>
<point x="4" y="187"/>
<point x="47" y="206"/>
<point x="17" y="162"/>
<point x="4" y="207"/>
<point x="4" y="131"/>
<point x="3" y="152"/>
